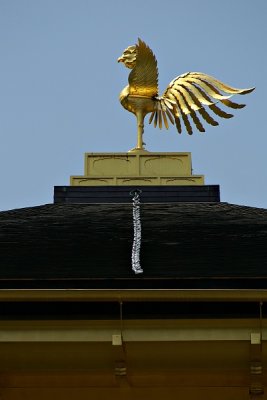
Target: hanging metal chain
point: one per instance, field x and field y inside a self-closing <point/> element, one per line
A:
<point x="136" y="267"/>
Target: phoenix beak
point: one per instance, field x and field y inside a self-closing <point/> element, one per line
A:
<point x="120" y="59"/>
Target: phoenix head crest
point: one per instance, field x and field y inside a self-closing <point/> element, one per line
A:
<point x="188" y="98"/>
<point x="128" y="57"/>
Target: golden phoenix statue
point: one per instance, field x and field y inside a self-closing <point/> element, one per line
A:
<point x="186" y="95"/>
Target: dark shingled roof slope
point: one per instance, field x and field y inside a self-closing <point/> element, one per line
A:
<point x="89" y="245"/>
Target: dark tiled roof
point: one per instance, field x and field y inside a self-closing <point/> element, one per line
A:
<point x="181" y="242"/>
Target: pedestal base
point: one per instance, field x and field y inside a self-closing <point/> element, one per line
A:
<point x="137" y="168"/>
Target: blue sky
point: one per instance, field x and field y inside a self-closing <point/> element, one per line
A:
<point x="60" y="81"/>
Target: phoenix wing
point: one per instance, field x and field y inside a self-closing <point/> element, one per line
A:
<point x="192" y="93"/>
<point x="143" y="80"/>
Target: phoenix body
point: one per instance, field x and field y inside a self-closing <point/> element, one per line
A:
<point x="188" y="95"/>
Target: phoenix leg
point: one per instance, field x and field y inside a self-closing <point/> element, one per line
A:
<point x="140" y="130"/>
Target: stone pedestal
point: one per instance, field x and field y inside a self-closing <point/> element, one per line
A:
<point x="138" y="168"/>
